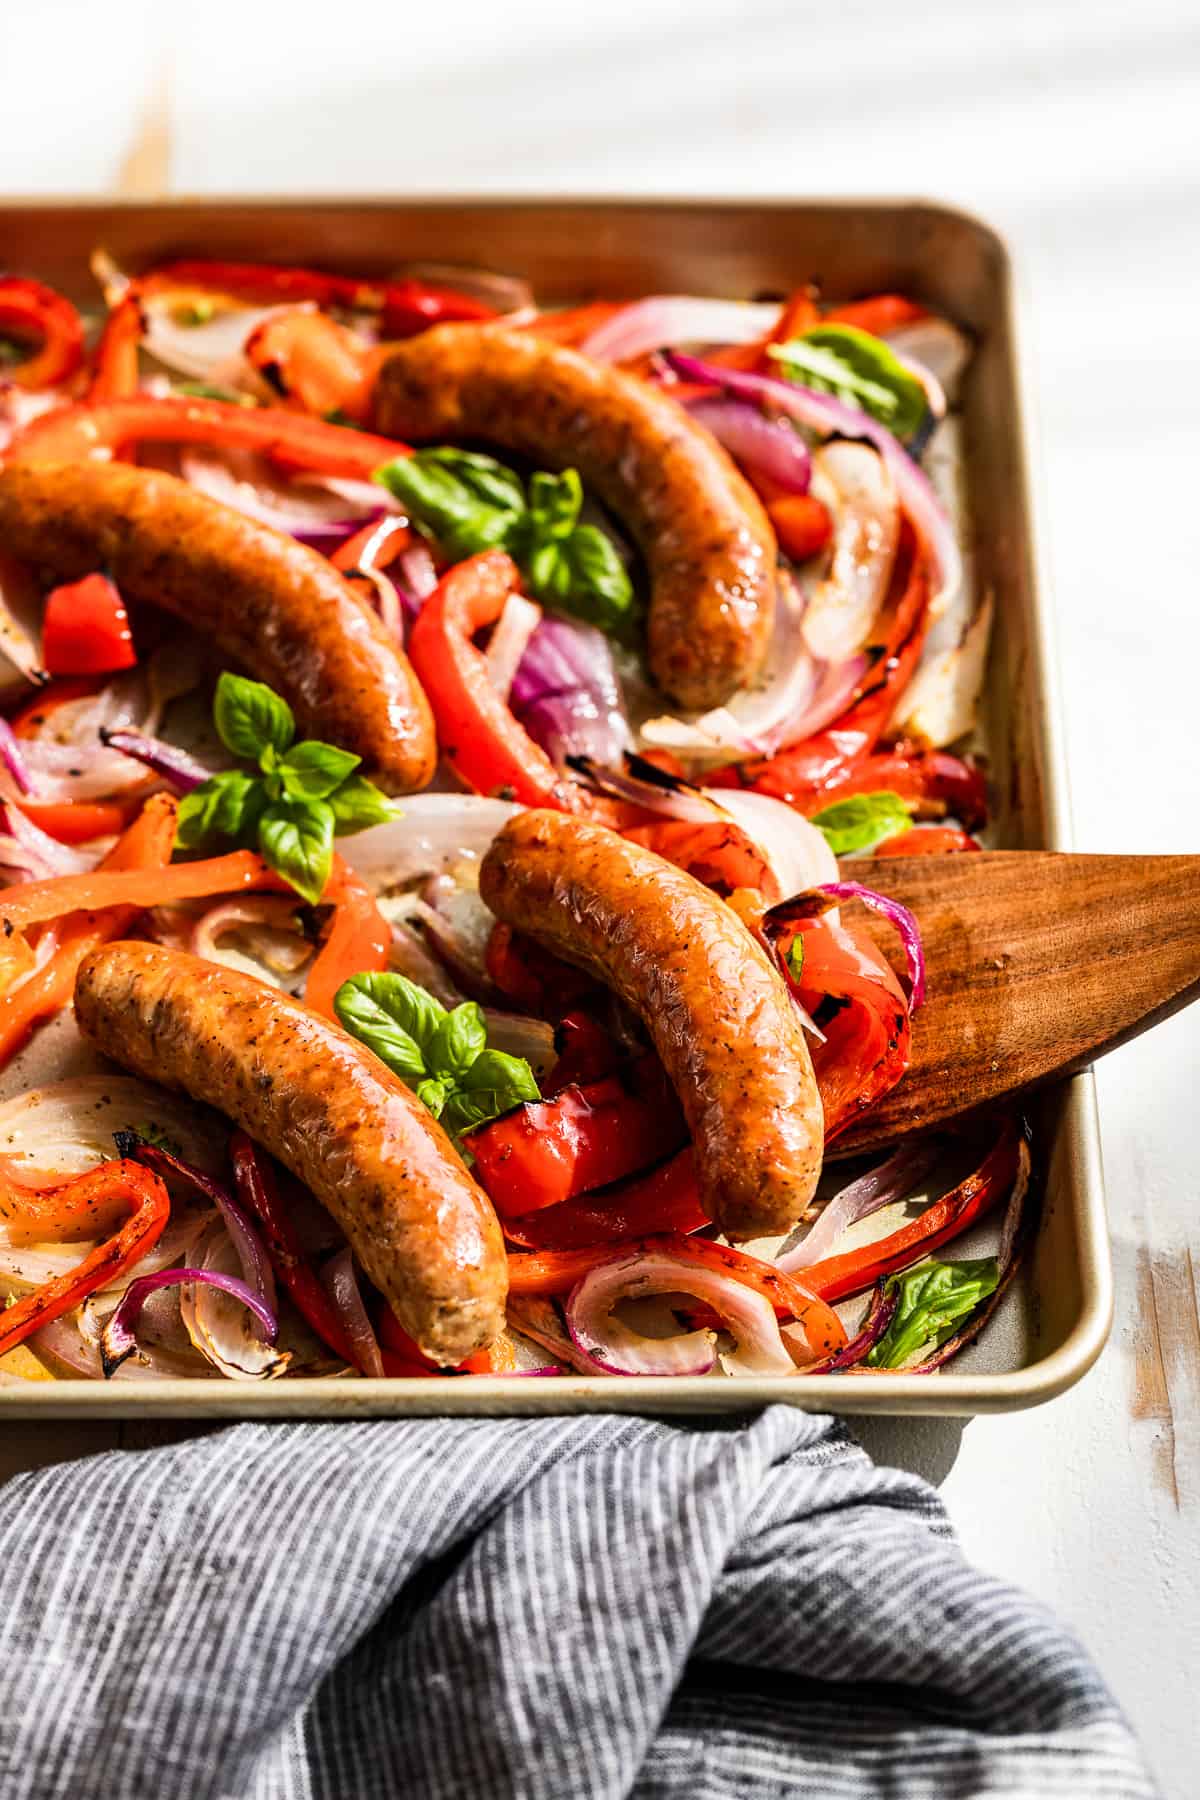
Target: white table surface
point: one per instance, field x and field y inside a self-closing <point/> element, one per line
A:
<point x="1075" y="129"/>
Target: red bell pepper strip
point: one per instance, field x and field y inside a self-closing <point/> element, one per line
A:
<point x="311" y="361"/>
<point x="867" y="1030"/>
<point x="146" y="845"/>
<point x="108" y="1262"/>
<point x="557" y="1271"/>
<point x="33" y="902"/>
<point x="547" y="1151"/>
<point x="667" y="1199"/>
<point x="839" y="1276"/>
<point x="405" y="306"/>
<point x="30" y="311"/>
<point x="878" y="314"/>
<point x="585" y="1052"/>
<point x="717" y="852"/>
<point x="803" y="525"/>
<point x="533" y="978"/>
<point x="571" y="325"/>
<point x="85" y="629"/>
<point x="359" y="939"/>
<point x="258" y="1189"/>
<point x="927" y="840"/>
<point x="99" y="433"/>
<point x="477" y="733"/>
<point x="115" y="361"/>
<point x="79" y="821"/>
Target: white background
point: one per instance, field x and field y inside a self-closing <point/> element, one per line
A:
<point x="1073" y="127"/>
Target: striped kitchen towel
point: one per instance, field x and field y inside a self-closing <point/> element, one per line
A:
<point x="547" y="1609"/>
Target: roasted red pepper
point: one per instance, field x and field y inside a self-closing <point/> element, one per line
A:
<point x="667" y="1199"/>
<point x="878" y="314"/>
<point x="87" y="1195"/>
<point x="536" y="981"/>
<point x="927" y="840"/>
<point x="30" y="311"/>
<point x="358" y="939"/>
<point x="557" y="1271"/>
<point x="585" y="1052"/>
<point x="477" y="733"/>
<point x="717" y="852"/>
<point x="115" y="361"/>
<point x="85" y="629"/>
<point x="853" y="1271"/>
<point x="803" y="524"/>
<point x="98" y="433"/>
<point x="547" y="1151"/>
<point x="257" y="1185"/>
<point x="314" y="363"/>
<point x="405" y="307"/>
<point x="850" y="991"/>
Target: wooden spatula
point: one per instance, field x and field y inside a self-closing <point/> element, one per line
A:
<point x="1037" y="964"/>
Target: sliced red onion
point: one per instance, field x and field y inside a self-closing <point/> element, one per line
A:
<point x="567" y="694"/>
<point x="901" y="918"/>
<point x="836" y="687"/>
<point x="824" y="414"/>
<point x="796" y="851"/>
<point x="42" y="855"/>
<point x="256" y="1266"/>
<point x="934" y="348"/>
<point x="846" y="595"/>
<point x="643" y="784"/>
<point x="879" y="1316"/>
<point x="119" y="1339"/>
<point x="510" y="640"/>
<point x="12" y="758"/>
<point x="613" y="1348"/>
<point x="436" y="832"/>
<point x="418" y="574"/>
<point x="175" y="766"/>
<point x="881" y="1186"/>
<point x="340" y="1282"/>
<point x="663" y="319"/>
<point x="321" y="520"/>
<point x="762" y="446"/>
<point x="20" y="613"/>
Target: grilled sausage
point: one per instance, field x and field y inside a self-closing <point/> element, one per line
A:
<point x="708" y="545"/>
<point x="274" y="605"/>
<point x="330" y="1111"/>
<point x="719" y="1015"/>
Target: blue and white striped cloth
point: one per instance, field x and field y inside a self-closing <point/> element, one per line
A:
<point x="541" y="1609"/>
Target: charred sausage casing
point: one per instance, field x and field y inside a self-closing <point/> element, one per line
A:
<point x="330" y="1111"/>
<point x="718" y="1013"/>
<point x="708" y="545"/>
<point x="275" y="606"/>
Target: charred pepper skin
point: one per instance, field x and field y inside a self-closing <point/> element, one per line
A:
<point x="708" y="545"/>
<point x="718" y="1013"/>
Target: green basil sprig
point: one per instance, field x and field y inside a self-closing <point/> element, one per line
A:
<point x="296" y="800"/>
<point x="469" y="503"/>
<point x="864" y="820"/>
<point x="934" y="1299"/>
<point x="859" y="369"/>
<point x="441" y="1055"/>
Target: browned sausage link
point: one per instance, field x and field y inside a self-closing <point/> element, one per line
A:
<point x="719" y="1015"/>
<point x="330" y="1111"/>
<point x="708" y="545"/>
<point x="272" y="604"/>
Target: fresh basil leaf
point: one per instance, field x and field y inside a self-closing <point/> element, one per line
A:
<point x="509" y="1076"/>
<point x="862" y="821"/>
<point x="464" y="1111"/>
<point x="226" y="805"/>
<point x="488" y="480"/>
<point x="554" y="503"/>
<point x="250" y="717"/>
<point x="358" y="803"/>
<point x="601" y="591"/>
<point x="433" y="1093"/>
<point x="296" y="839"/>
<point x="468" y="503"/>
<point x="934" y="1299"/>
<point x="312" y="770"/>
<point x="395" y="1017"/>
<point x="860" y="370"/>
<point x="458" y="1040"/>
<point x="795" y="957"/>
